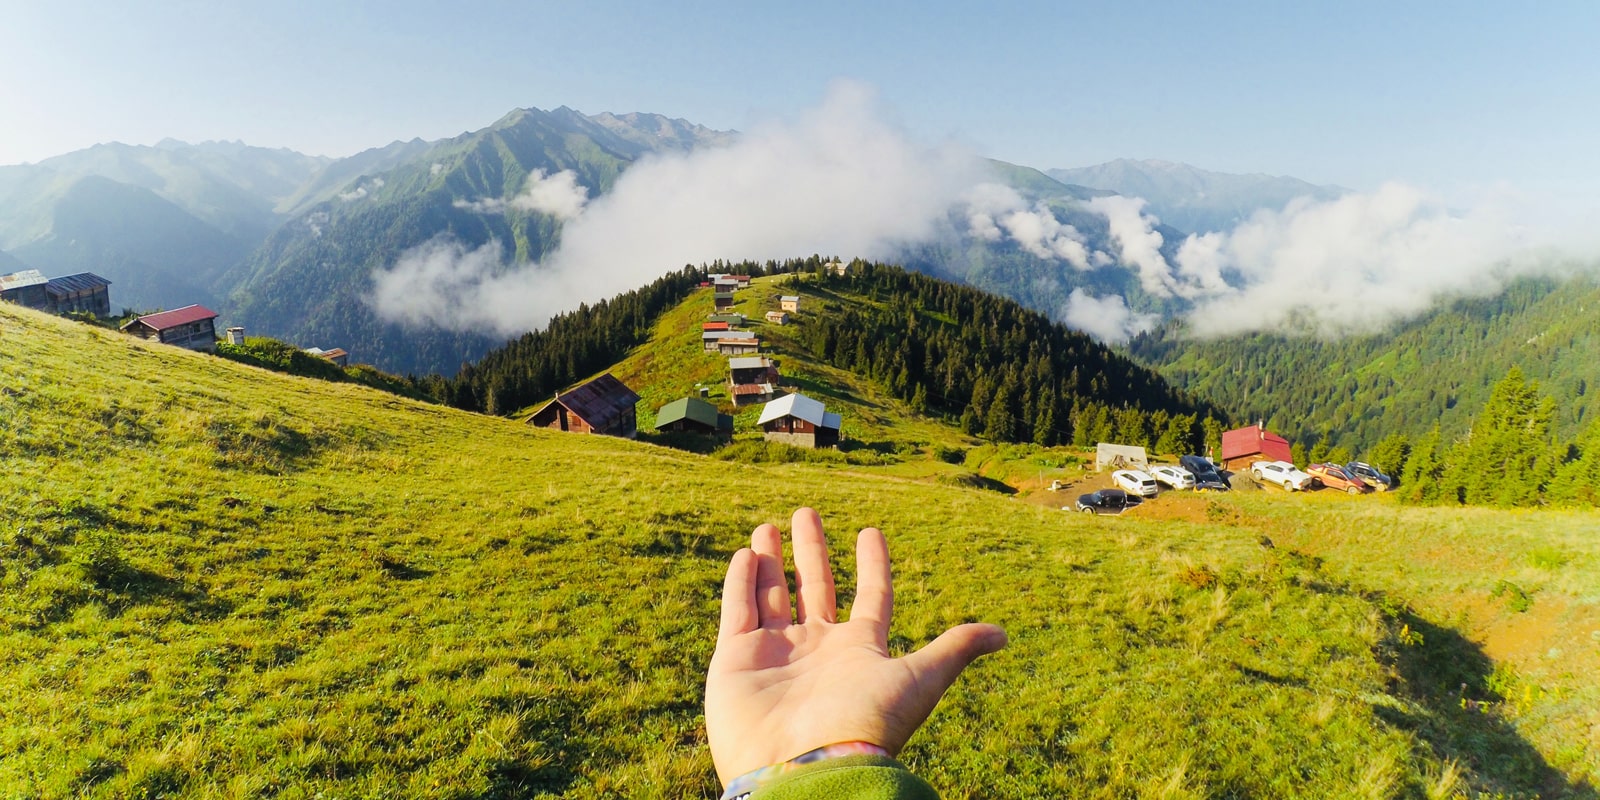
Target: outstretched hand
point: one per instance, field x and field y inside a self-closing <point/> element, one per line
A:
<point x="780" y="686"/>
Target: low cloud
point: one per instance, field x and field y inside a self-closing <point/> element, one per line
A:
<point x="558" y="195"/>
<point x="1106" y="318"/>
<point x="994" y="211"/>
<point x="1354" y="263"/>
<point x="838" y="179"/>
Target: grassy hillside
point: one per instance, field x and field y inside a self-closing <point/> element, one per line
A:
<point x="220" y="581"/>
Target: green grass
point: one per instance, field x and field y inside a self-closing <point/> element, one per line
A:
<point x="222" y="581"/>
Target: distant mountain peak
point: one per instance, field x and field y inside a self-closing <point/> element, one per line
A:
<point x="1193" y="199"/>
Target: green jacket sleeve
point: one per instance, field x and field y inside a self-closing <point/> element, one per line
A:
<point x="860" y="777"/>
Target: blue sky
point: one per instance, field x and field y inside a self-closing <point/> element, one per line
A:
<point x="1447" y="96"/>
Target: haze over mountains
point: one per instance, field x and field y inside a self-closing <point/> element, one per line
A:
<point x="419" y="256"/>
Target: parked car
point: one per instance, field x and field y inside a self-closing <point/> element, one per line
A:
<point x="1371" y="475"/>
<point x="1176" y="477"/>
<point x="1334" y="476"/>
<point x="1206" y="476"/>
<point x="1282" y="473"/>
<point x="1107" y="501"/>
<point x="1135" y="481"/>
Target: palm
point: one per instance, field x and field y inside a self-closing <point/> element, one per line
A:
<point x="778" y="688"/>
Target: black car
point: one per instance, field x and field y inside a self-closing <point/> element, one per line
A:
<point x="1371" y="474"/>
<point x="1206" y="476"/>
<point x="1107" y="501"/>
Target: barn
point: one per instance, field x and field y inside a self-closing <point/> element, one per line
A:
<point x="604" y="405"/>
<point x="25" y="288"/>
<point x="1242" y="447"/>
<point x="84" y="292"/>
<point x="798" y="420"/>
<point x="693" y="415"/>
<point x="193" y="327"/>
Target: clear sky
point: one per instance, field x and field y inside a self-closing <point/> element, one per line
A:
<point x="1450" y="96"/>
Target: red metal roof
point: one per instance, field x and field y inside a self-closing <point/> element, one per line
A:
<point x="1255" y="440"/>
<point x="749" y="388"/>
<point x="176" y="317"/>
<point x="713" y="326"/>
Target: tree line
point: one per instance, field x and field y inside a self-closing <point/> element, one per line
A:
<point x="995" y="368"/>
<point x="1509" y="457"/>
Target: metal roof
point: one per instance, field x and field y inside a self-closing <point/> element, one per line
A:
<point x="1255" y="439"/>
<point x="800" y="407"/>
<point x="790" y="297"/>
<point x="23" y="279"/>
<point x="600" y="401"/>
<point x="176" y="317"/>
<point x="81" y="282"/>
<point x="704" y="335"/>
<point x="689" y="408"/>
<point x="749" y="362"/>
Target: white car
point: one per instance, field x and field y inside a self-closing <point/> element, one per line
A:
<point x="1135" y="481"/>
<point x="1176" y="477"/>
<point x="1282" y="473"/>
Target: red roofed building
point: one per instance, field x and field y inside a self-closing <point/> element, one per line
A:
<point x="713" y="326"/>
<point x="1246" y="446"/>
<point x="193" y="327"/>
<point x="604" y="405"/>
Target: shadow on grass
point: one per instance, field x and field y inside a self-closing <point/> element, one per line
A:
<point x="1448" y="675"/>
<point x="130" y="586"/>
<point x="1453" y="706"/>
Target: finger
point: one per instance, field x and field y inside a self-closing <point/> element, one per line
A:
<point x="874" y="601"/>
<point x="739" y="613"/>
<point x="813" y="578"/>
<point x="939" y="663"/>
<point x="772" y="589"/>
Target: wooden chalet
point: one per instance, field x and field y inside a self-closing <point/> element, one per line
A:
<point x="604" y="405"/>
<point x="25" y="288"/>
<point x="84" y="293"/>
<point x="778" y="317"/>
<point x="752" y="379"/>
<point x="193" y="327"/>
<point x="798" y="420"/>
<point x="710" y="339"/>
<point x="727" y="283"/>
<point x="789" y="302"/>
<point x="1242" y="447"/>
<point x="722" y="301"/>
<point x="837" y="267"/>
<point x="739" y="347"/>
<point x="742" y="281"/>
<point x="693" y="415"/>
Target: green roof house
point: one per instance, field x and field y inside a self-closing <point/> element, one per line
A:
<point x="693" y="415"/>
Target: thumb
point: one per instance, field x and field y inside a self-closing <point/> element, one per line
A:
<point x="939" y="663"/>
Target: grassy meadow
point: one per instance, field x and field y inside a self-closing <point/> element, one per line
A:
<point x="217" y="581"/>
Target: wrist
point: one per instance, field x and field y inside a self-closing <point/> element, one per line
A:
<point x="743" y="785"/>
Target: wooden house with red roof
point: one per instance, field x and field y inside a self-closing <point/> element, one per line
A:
<point x="604" y="405"/>
<point x="193" y="327"/>
<point x="1245" y="446"/>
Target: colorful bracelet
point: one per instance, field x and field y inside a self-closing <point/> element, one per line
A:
<point x="743" y="786"/>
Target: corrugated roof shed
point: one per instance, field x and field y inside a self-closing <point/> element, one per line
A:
<point x="801" y="407"/>
<point x="749" y="362"/>
<point x="81" y="282"/>
<point x="18" y="280"/>
<point x="600" y="401"/>
<point x="689" y="408"/>
<point x="176" y="317"/>
<point x="1255" y="439"/>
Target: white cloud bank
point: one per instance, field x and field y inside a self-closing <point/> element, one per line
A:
<point x="839" y="179"/>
